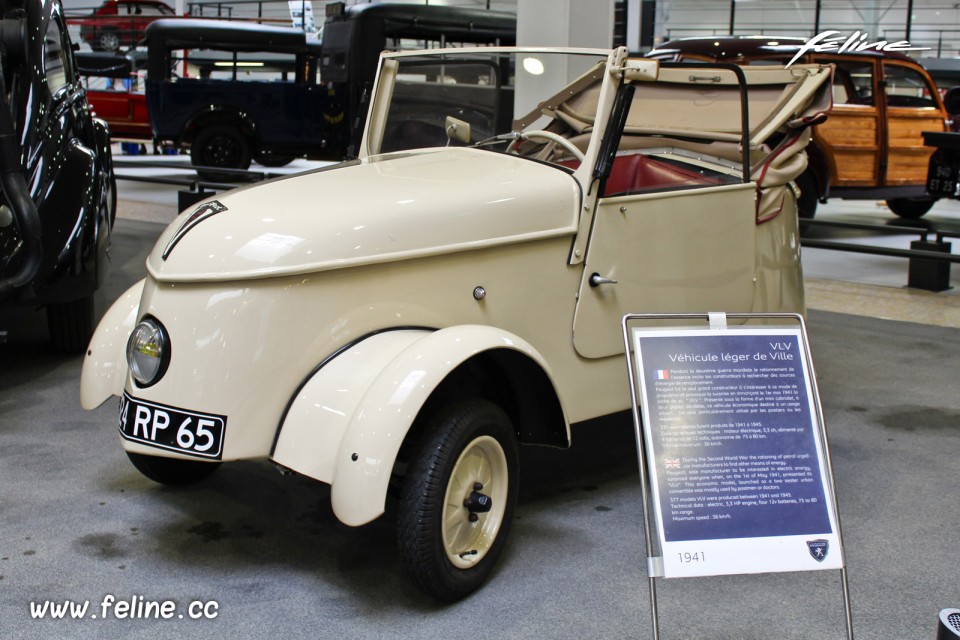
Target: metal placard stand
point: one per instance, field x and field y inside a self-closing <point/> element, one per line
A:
<point x="735" y="469"/>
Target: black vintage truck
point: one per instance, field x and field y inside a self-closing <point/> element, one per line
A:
<point x="58" y="198"/>
<point x="235" y="92"/>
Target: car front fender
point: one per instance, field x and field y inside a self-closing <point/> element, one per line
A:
<point x="346" y="425"/>
<point x="105" y="363"/>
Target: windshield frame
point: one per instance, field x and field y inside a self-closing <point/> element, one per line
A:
<point x="389" y="65"/>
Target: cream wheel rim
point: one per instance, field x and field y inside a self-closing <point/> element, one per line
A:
<point x="475" y="502"/>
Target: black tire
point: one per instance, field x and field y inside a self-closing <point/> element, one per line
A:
<point x="70" y="325"/>
<point x="911" y="208"/>
<point x="220" y="146"/>
<point x="447" y="546"/>
<point x="172" y="471"/>
<point x="809" y="195"/>
<point x="271" y="160"/>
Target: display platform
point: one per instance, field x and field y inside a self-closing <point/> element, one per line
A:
<point x="80" y="524"/>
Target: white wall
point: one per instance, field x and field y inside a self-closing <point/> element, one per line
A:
<point x="558" y="23"/>
<point x="936" y="23"/>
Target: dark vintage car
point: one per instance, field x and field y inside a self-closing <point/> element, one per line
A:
<point x="871" y="146"/>
<point x="118" y="24"/>
<point x="235" y="92"/>
<point x="58" y="197"/>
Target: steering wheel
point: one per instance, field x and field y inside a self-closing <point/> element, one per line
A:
<point x="552" y="137"/>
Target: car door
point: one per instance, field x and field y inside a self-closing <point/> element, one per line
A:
<point x="670" y="234"/>
<point x="852" y="136"/>
<point x="675" y="226"/>
<point x="912" y="106"/>
<point x="670" y="251"/>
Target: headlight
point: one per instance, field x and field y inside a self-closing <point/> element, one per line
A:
<point x="148" y="352"/>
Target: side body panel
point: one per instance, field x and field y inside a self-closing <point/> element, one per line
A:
<point x="124" y="111"/>
<point x="851" y="139"/>
<point x="908" y="159"/>
<point x="673" y="252"/>
<point x="228" y="339"/>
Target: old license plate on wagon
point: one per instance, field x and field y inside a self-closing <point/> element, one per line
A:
<point x="943" y="175"/>
<point x="188" y="432"/>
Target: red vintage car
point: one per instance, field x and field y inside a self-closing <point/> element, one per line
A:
<point x="120" y="23"/>
<point x="115" y="93"/>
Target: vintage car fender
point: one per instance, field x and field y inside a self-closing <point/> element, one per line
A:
<point x="345" y="426"/>
<point x="104" y="370"/>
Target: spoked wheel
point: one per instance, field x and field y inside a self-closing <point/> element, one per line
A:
<point x="458" y="499"/>
<point x="475" y="502"/>
<point x="109" y="41"/>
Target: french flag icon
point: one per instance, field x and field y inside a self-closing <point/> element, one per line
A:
<point x="663" y="374"/>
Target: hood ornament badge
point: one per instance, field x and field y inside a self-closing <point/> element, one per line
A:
<point x="204" y="211"/>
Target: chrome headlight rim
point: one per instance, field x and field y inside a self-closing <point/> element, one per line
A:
<point x="156" y="328"/>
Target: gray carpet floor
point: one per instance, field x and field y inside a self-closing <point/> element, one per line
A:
<point x="79" y="523"/>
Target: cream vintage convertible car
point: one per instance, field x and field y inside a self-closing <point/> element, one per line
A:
<point x="405" y="320"/>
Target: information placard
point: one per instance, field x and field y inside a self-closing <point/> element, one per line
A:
<point x="734" y="451"/>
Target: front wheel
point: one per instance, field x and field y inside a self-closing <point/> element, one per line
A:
<point x="109" y="41"/>
<point x="458" y="499"/>
<point x="172" y="471"/>
<point x="911" y="208"/>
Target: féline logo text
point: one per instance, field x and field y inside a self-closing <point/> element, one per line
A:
<point x="836" y="41"/>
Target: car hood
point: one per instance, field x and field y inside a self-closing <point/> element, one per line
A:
<point x="390" y="207"/>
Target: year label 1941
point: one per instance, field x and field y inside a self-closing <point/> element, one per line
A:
<point x="687" y="557"/>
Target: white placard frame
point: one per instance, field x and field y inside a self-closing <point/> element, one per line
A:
<point x="683" y="326"/>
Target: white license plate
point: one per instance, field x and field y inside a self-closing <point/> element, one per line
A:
<point x="157" y="425"/>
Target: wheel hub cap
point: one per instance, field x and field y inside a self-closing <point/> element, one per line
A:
<point x="475" y="501"/>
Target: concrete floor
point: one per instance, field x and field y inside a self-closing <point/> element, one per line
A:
<point x="78" y="523"/>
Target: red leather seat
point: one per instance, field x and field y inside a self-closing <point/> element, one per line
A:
<point x="637" y="172"/>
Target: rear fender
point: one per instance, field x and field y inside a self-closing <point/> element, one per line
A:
<point x="346" y="425"/>
<point x="104" y="370"/>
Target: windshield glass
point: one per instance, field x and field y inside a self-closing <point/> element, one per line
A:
<point x="534" y="104"/>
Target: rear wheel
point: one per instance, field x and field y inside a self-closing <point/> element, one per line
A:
<point x="220" y="146"/>
<point x="911" y="208"/>
<point x="457" y="500"/>
<point x="172" y="471"/>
